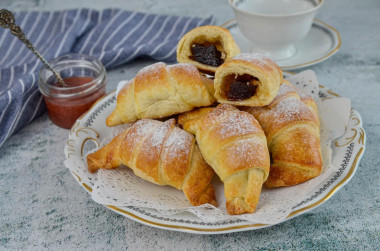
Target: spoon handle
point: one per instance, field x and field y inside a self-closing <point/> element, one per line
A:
<point x="7" y="21"/>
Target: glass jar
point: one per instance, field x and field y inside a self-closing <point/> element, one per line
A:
<point x="85" y="79"/>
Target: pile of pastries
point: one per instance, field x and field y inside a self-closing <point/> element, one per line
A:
<point x="216" y="111"/>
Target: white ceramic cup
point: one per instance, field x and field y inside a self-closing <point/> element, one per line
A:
<point x="274" y="26"/>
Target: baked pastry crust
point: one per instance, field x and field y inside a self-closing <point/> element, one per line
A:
<point x="160" y="153"/>
<point x="209" y="34"/>
<point x="292" y="130"/>
<point x="159" y="91"/>
<point x="234" y="145"/>
<point x="268" y="73"/>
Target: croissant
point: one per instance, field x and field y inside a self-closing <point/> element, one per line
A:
<point x="248" y="79"/>
<point x="160" y="153"/>
<point x="308" y="100"/>
<point x="292" y="130"/>
<point x="159" y="91"/>
<point x="234" y="145"/>
<point x="207" y="47"/>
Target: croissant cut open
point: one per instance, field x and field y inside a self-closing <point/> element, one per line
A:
<point x="160" y="153"/>
<point x="159" y="90"/>
<point x="248" y="79"/>
<point x="207" y="47"/>
<point x="234" y="145"/>
<point x="291" y="125"/>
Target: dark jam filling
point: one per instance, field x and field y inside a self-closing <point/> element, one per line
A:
<point x="242" y="87"/>
<point x="207" y="54"/>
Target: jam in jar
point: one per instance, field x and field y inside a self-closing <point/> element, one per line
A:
<point x="85" y="82"/>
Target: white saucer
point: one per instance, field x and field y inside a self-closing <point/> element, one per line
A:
<point x="321" y="43"/>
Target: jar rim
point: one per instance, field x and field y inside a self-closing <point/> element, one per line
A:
<point x="85" y="88"/>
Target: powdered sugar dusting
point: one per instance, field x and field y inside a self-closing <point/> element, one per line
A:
<point x="230" y="122"/>
<point x="154" y="69"/>
<point x="178" y="143"/>
<point x="283" y="92"/>
<point x="153" y="145"/>
<point x="249" y="150"/>
<point x="142" y="128"/>
<point x="158" y="136"/>
<point x="138" y="132"/>
<point x="285" y="89"/>
<point x="290" y="109"/>
<point x="189" y="68"/>
<point x="237" y="124"/>
<point x="151" y="70"/>
<point x="256" y="58"/>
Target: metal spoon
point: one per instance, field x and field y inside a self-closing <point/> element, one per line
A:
<point x="7" y="21"/>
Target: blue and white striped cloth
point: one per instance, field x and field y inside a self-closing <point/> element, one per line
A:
<point x="114" y="36"/>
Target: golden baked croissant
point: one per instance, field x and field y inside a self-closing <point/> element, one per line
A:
<point x="159" y="91"/>
<point x="308" y="100"/>
<point x="248" y="79"/>
<point x="207" y="47"/>
<point x="292" y="130"/>
<point x="234" y="145"/>
<point x="160" y="153"/>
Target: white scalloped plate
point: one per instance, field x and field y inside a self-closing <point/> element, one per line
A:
<point x="347" y="152"/>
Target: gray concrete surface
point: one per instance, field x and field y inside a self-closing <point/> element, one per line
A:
<point x="43" y="208"/>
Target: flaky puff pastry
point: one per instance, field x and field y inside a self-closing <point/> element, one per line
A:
<point x="207" y="35"/>
<point x="159" y="91"/>
<point x="292" y="130"/>
<point x="160" y="153"/>
<point x="266" y="78"/>
<point x="234" y="145"/>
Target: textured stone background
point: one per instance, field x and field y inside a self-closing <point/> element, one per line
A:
<point x="42" y="206"/>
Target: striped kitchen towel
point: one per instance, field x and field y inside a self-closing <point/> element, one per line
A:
<point x="114" y="36"/>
